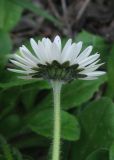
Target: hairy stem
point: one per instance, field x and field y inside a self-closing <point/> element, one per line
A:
<point x="57" y="120"/>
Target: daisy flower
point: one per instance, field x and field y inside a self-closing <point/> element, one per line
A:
<point x="52" y="62"/>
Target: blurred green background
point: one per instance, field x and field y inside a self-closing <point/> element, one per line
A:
<point x="26" y="107"/>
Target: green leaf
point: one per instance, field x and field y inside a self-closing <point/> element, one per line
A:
<point x="5" y="148"/>
<point x="97" y="122"/>
<point x="66" y="148"/>
<point x="2" y="157"/>
<point x="5" y="47"/>
<point x="14" y="82"/>
<point x="76" y="93"/>
<point x="16" y="154"/>
<point x="26" y="157"/>
<point x="79" y="92"/>
<point x="32" y="140"/>
<point x="111" y="152"/>
<point x="37" y="10"/>
<point x="88" y="38"/>
<point x="99" y="44"/>
<point x="9" y="152"/>
<point x="10" y="80"/>
<point x="42" y="123"/>
<point x="12" y="124"/>
<point x="8" y="102"/>
<point x="30" y="91"/>
<point x="28" y="97"/>
<point x="9" y="14"/>
<point x="110" y="90"/>
<point x="98" y="155"/>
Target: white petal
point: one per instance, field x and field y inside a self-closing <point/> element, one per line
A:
<point x="91" y="68"/>
<point x="85" y="53"/>
<point x="24" y="61"/>
<point x="66" y="47"/>
<point x="96" y="73"/>
<point x="28" y="77"/>
<point x="94" y="63"/>
<point x="72" y="52"/>
<point x="28" y="55"/>
<point x="25" y="77"/>
<point x="34" y="46"/>
<point x="48" y="42"/>
<point x="39" y="50"/>
<point x="55" y="53"/>
<point x="69" y="53"/>
<point x="48" y="45"/>
<point x="20" y="71"/>
<point x="89" y="78"/>
<point x="88" y="60"/>
<point x="24" y="55"/>
<point x="76" y="51"/>
<point x="42" y="52"/>
<point x="57" y="41"/>
<point x="20" y="65"/>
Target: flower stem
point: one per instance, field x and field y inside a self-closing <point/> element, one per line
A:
<point x="57" y="120"/>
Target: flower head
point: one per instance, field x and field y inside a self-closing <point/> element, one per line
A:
<point x="52" y="62"/>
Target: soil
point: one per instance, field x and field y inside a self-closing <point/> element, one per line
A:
<point x="96" y="16"/>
